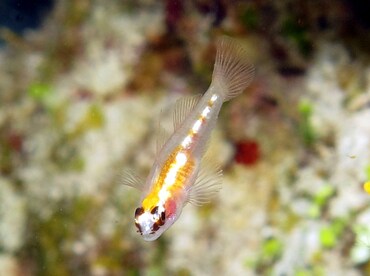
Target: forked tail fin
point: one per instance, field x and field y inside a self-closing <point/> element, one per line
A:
<point x="232" y="72"/>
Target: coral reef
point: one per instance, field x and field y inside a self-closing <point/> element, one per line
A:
<point x="80" y="99"/>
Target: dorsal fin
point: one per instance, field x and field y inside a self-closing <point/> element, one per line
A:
<point x="162" y="137"/>
<point x="162" y="134"/>
<point x="183" y="107"/>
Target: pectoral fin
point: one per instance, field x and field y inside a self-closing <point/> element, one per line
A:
<point x="132" y="179"/>
<point x="207" y="184"/>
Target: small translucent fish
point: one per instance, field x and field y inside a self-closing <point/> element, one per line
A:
<point x="181" y="174"/>
<point x="367" y="187"/>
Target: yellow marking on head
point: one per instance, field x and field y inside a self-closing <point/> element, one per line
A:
<point x="172" y="177"/>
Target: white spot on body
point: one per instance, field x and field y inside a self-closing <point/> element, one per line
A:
<point x="170" y="179"/>
<point x="196" y="126"/>
<point x="181" y="159"/>
<point x="206" y="111"/>
<point x="186" y="142"/>
<point x="214" y="98"/>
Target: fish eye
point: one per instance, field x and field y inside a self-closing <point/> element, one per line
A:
<point x="155" y="227"/>
<point x="154" y="210"/>
<point x="139" y="211"/>
<point x="162" y="219"/>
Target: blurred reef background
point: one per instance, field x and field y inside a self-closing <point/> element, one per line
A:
<point x="81" y="87"/>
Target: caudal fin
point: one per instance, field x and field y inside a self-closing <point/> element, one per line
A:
<point x="232" y="72"/>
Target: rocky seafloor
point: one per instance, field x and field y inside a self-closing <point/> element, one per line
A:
<point x="80" y="99"/>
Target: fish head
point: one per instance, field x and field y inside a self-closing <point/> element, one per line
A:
<point x="150" y="224"/>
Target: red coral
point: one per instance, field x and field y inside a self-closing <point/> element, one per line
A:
<point x="247" y="152"/>
<point x="174" y="11"/>
<point x="15" y="141"/>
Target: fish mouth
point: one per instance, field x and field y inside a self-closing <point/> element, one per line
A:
<point x="150" y="237"/>
<point x="147" y="229"/>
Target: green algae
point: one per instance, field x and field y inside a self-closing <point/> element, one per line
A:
<point x="92" y="119"/>
<point x="293" y="29"/>
<point x="330" y="234"/>
<point x="49" y="239"/>
<point x="327" y="237"/>
<point x="315" y="270"/>
<point x="158" y="263"/>
<point x="250" y="18"/>
<point x="115" y="257"/>
<point x="271" y="250"/>
<point x="183" y="272"/>
<point x="306" y="130"/>
<point x="289" y="220"/>
<point x="39" y="91"/>
<point x="50" y="242"/>
<point x="320" y="200"/>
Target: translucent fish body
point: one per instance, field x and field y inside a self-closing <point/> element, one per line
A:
<point x="180" y="174"/>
